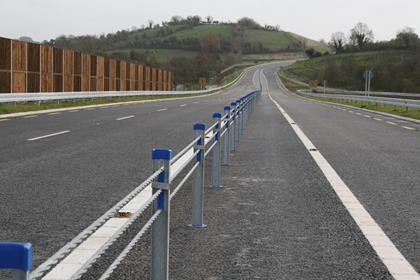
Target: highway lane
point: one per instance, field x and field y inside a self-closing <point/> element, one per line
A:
<point x="53" y="187"/>
<point x="376" y="156"/>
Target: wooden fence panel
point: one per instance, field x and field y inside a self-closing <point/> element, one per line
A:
<point x="77" y="71"/>
<point x="100" y="65"/>
<point x="5" y="65"/>
<point x="133" y="71"/>
<point x="67" y="70"/>
<point x="154" y="80"/>
<point x="106" y="73"/>
<point x="46" y="68"/>
<point x="93" y="72"/>
<point x="128" y="75"/>
<point x="58" y="58"/>
<point x="112" y="74"/>
<point x="141" y="77"/>
<point x="123" y="75"/>
<point x="118" y="75"/>
<point x="159" y="79"/>
<point x="19" y="52"/>
<point x="85" y="72"/>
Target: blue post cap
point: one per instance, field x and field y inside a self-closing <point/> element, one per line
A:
<point x="15" y="255"/>
<point x="217" y="115"/>
<point x="227" y="108"/>
<point x="233" y="104"/>
<point x="161" y="153"/>
<point x="199" y="126"/>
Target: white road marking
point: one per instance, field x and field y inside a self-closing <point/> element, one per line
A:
<point x="52" y="114"/>
<point x="124" y="118"/>
<point x="395" y="262"/>
<point x="3" y="120"/>
<point x="367" y="116"/>
<point x="74" y="111"/>
<point x="161" y="110"/>
<point x="49" y="135"/>
<point x="377" y="119"/>
<point x="391" y="123"/>
<point x="90" y="109"/>
<point x="358" y="114"/>
<point x="196" y="102"/>
<point x="182" y="105"/>
<point x="103" y="107"/>
<point x="29" y="117"/>
<point x="407" y="127"/>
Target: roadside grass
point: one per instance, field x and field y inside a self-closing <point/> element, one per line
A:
<point x="32" y="106"/>
<point x="273" y="41"/>
<point x="160" y="55"/>
<point x="413" y="113"/>
<point x="390" y="109"/>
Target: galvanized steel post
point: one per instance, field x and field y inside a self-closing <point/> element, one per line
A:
<point x="198" y="180"/>
<point x="237" y="121"/>
<point x="160" y="228"/>
<point x="216" y="162"/>
<point x="233" y="127"/>
<point x="226" y="137"/>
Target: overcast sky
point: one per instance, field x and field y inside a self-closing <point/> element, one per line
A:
<point x="46" y="19"/>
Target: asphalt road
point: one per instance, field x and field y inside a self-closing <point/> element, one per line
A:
<point x="276" y="212"/>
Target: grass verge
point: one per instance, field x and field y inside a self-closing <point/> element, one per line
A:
<point x="413" y="113"/>
<point x="29" y="107"/>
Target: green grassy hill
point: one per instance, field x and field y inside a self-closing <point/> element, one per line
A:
<point x="161" y="44"/>
<point x="393" y="70"/>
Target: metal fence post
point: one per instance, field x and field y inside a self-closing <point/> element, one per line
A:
<point x="198" y="180"/>
<point x="237" y="121"/>
<point x="160" y="228"/>
<point x="226" y="137"/>
<point x="18" y="257"/>
<point x="216" y="162"/>
<point x="242" y="116"/>
<point x="233" y="127"/>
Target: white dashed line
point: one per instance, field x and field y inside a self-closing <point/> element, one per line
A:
<point x="74" y="111"/>
<point x="124" y="118"/>
<point x="367" y="116"/>
<point x="392" y="258"/>
<point x="3" y="120"/>
<point x="161" y="110"/>
<point x="409" y="128"/>
<point x="49" y="135"/>
<point x="53" y="114"/>
<point x="90" y="109"/>
<point x="196" y="102"/>
<point x="359" y="114"/>
<point x="377" y="119"/>
<point x="182" y="105"/>
<point x="391" y="123"/>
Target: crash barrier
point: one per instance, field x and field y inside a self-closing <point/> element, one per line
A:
<point x="156" y="192"/>
<point x="407" y="103"/>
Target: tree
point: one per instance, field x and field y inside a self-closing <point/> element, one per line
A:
<point x="407" y="38"/>
<point x="150" y="22"/>
<point x="338" y="41"/>
<point x="210" y="43"/>
<point x="248" y="23"/>
<point x="360" y="35"/>
<point x="209" y="19"/>
<point x="26" y="39"/>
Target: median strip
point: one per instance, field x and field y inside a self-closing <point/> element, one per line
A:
<point x="49" y="135"/>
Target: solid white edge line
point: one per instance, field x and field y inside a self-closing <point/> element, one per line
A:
<point x="392" y="258"/>
<point x="49" y="135"/>
<point x="124" y="118"/>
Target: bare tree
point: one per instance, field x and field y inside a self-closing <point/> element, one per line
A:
<point x="209" y="19"/>
<point x="338" y="40"/>
<point x="360" y="35"/>
<point x="150" y="22"/>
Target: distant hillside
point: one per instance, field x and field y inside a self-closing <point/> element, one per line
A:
<point x="193" y="48"/>
<point x="185" y="40"/>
